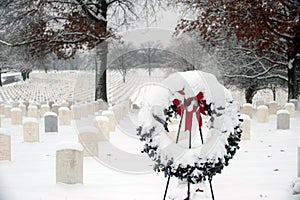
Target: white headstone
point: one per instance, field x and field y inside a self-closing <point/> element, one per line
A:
<point x="76" y="111"/>
<point x="283" y="119"/>
<point x="96" y="106"/>
<point x="69" y="163"/>
<point x="23" y="108"/>
<point x="44" y="108"/>
<point x="259" y="103"/>
<point x="110" y="115"/>
<point x="247" y="109"/>
<point x="64" y="116"/>
<point x="31" y="130"/>
<point x="273" y="107"/>
<point x="262" y="114"/>
<point x="103" y="124"/>
<point x="7" y="109"/>
<point x="295" y="102"/>
<point x="32" y="111"/>
<point x="16" y="116"/>
<point x="246" y="127"/>
<point x="291" y="108"/>
<point x="5" y="145"/>
<point x="88" y="138"/>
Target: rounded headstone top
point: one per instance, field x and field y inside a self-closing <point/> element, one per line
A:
<point x="50" y="114"/>
<point x="262" y="107"/>
<point x="107" y="112"/>
<point x="247" y="105"/>
<point x="69" y="145"/>
<point x="45" y="106"/>
<point x="32" y="106"/>
<point x="102" y="118"/>
<point x="63" y="109"/>
<point x="282" y="112"/>
<point x="290" y="104"/>
<point x="272" y="102"/>
<point x="30" y="120"/>
<point x="4" y="131"/>
<point x="16" y="110"/>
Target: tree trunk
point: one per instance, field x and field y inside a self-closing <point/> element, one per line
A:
<point x="1" y="78"/>
<point x="249" y="94"/>
<point x="101" y="64"/>
<point x="292" y="81"/>
<point x="274" y="93"/>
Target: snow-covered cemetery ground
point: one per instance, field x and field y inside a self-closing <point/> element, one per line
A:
<point x="264" y="168"/>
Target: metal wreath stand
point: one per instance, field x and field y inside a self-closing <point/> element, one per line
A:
<point x="186" y="103"/>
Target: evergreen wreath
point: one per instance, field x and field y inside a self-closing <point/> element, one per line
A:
<point x="201" y="168"/>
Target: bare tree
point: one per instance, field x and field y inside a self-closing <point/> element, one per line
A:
<point x="150" y="52"/>
<point x="122" y="57"/>
<point x="63" y="27"/>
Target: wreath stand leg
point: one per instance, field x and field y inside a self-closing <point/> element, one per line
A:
<point x="201" y="135"/>
<point x="177" y="138"/>
<point x="167" y="186"/>
<point x="190" y="139"/>
<point x="189" y="189"/>
<point x="211" y="189"/>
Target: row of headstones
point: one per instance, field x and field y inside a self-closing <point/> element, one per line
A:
<point x="37" y="89"/>
<point x="263" y="112"/>
<point x="69" y="160"/>
<point x="77" y="111"/>
<point x="69" y="157"/>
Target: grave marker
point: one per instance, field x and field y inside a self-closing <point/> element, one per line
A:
<point x="16" y="116"/>
<point x="246" y="127"/>
<point x="247" y="109"/>
<point x="51" y="122"/>
<point x="291" y="108"/>
<point x="31" y="130"/>
<point x="103" y="124"/>
<point x="262" y="114"/>
<point x="5" y="145"/>
<point x="110" y="115"/>
<point x="88" y="138"/>
<point x="273" y="107"/>
<point x="32" y="111"/>
<point x="69" y="163"/>
<point x="283" y="119"/>
<point x="64" y="116"/>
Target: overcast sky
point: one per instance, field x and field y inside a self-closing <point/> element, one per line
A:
<point x="161" y="30"/>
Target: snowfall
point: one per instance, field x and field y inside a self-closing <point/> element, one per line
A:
<point x="265" y="167"/>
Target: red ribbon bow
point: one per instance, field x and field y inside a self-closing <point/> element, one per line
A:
<point x="198" y="108"/>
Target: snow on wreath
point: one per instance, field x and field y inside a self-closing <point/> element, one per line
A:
<point x="189" y="126"/>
